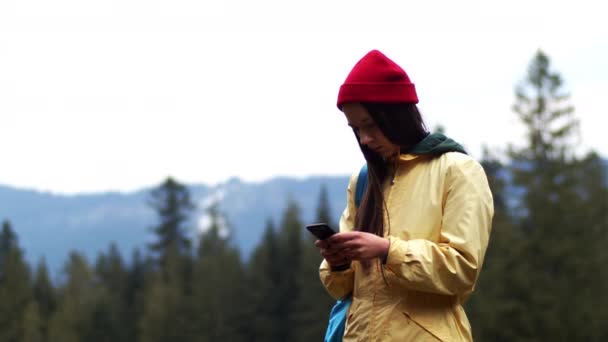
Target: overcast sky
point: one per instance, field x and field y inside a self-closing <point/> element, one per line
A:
<point x="115" y="95"/>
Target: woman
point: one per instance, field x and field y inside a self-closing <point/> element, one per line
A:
<point x="411" y="253"/>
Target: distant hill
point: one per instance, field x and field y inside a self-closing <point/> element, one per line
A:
<point x="50" y="225"/>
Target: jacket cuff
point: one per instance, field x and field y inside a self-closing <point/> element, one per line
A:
<point x="385" y="256"/>
<point x="397" y="250"/>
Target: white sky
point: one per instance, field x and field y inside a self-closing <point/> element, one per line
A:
<point x="118" y="94"/>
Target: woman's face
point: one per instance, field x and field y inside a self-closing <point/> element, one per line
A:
<point x="369" y="133"/>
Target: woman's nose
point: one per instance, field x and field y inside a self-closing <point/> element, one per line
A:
<point x="365" y="138"/>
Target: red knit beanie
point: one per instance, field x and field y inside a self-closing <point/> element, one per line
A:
<point x="376" y="78"/>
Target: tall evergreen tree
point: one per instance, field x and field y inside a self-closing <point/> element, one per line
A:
<point x="15" y="288"/>
<point x="265" y="275"/>
<point x="173" y="204"/>
<point x="170" y="290"/>
<point x="73" y="318"/>
<point x="545" y="109"/>
<point x="110" y="270"/>
<point x="44" y="296"/>
<point x="314" y="303"/>
<point x="139" y="273"/>
<point x="494" y="308"/>
<point x="557" y="253"/>
<point x="109" y="317"/>
<point x="8" y="239"/>
<point x="290" y="260"/>
<point x="220" y="296"/>
<point x="587" y="214"/>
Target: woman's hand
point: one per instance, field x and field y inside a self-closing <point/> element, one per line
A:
<point x="344" y="247"/>
<point x="332" y="255"/>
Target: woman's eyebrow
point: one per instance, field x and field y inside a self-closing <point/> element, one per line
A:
<point x="363" y="122"/>
<point x="366" y="121"/>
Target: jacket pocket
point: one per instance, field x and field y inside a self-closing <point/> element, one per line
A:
<point x="434" y="313"/>
<point x="431" y="336"/>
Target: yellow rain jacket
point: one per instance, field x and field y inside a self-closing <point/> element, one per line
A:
<point x="438" y="224"/>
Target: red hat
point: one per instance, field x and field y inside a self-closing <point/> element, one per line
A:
<point x="376" y="78"/>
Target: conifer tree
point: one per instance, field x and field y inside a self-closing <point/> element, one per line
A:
<point x="111" y="270"/>
<point x="265" y="276"/>
<point x="290" y="260"/>
<point x="170" y="288"/>
<point x="173" y="204"/>
<point x="15" y="287"/>
<point x="494" y="304"/>
<point x="314" y="303"/>
<point x="8" y="238"/>
<point x="220" y="295"/>
<point x="71" y="322"/>
<point x="45" y="297"/>
<point x="138" y="274"/>
<point x="544" y="108"/>
<point x="586" y="211"/>
<point x="109" y="317"/>
<point x="557" y="251"/>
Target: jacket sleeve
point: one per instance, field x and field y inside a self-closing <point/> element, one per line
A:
<point x="451" y="265"/>
<point x="339" y="284"/>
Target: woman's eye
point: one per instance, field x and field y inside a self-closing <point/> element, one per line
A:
<point x="369" y="127"/>
<point x="366" y="127"/>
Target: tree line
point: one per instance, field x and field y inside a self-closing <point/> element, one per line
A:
<point x="543" y="277"/>
<point x="176" y="290"/>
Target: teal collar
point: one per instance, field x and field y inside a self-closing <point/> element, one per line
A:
<point x="436" y="144"/>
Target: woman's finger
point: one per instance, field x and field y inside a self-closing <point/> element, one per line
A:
<point x="321" y="244"/>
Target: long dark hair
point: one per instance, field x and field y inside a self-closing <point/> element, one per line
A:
<point x="402" y="124"/>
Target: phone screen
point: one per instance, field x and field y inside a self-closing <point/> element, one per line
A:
<point x="321" y="230"/>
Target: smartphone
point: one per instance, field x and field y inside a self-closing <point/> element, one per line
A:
<point x="321" y="230"/>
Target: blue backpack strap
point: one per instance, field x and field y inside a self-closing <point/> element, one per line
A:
<point x="337" y="320"/>
<point x="361" y="185"/>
